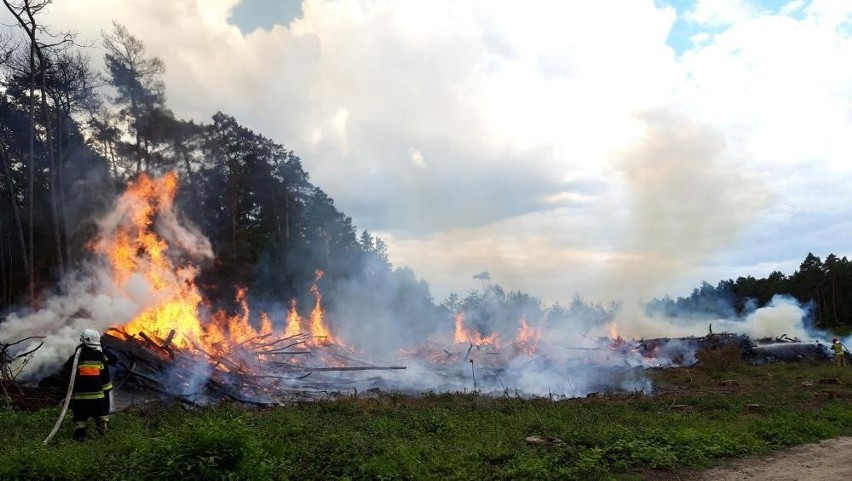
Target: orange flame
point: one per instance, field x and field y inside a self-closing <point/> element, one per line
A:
<point x="527" y="339"/>
<point x="463" y="335"/>
<point x="526" y="333"/>
<point x="294" y="322"/>
<point x="135" y="251"/>
<point x="319" y="328"/>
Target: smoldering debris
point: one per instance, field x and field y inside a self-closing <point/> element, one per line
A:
<point x="270" y="371"/>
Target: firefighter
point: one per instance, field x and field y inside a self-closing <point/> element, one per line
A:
<point x="92" y="385"/>
<point x="838" y="347"/>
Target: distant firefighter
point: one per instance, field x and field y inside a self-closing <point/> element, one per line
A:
<point x="839" y="356"/>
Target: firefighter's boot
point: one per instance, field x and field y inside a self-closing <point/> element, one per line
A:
<point x="102" y="426"/>
<point x="80" y="431"/>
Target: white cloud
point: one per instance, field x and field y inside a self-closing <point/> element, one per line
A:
<point x="721" y="12"/>
<point x="417" y="159"/>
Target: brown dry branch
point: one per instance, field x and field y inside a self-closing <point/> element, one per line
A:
<point x="253" y="339"/>
<point x="278" y="350"/>
<point x="9" y="371"/>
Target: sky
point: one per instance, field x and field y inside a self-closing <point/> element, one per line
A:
<point x="611" y="149"/>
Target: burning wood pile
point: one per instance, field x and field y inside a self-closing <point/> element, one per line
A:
<point x="260" y="371"/>
<point x="177" y="344"/>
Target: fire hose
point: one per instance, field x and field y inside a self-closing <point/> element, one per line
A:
<point x="67" y="398"/>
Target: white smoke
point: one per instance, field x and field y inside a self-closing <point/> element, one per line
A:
<point x="184" y="236"/>
<point x="688" y="199"/>
<point x="783" y="315"/>
<point x="83" y="305"/>
<point x="574" y="358"/>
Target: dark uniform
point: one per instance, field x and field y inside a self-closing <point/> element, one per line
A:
<point x="92" y="389"/>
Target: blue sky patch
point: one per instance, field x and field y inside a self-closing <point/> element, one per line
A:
<point x="683" y="30"/>
<point x="251" y="15"/>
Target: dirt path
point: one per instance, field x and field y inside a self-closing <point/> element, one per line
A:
<point x="827" y="460"/>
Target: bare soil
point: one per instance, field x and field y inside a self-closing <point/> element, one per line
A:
<point x="827" y="460"/>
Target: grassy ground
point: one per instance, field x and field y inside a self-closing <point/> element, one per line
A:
<point x="698" y="415"/>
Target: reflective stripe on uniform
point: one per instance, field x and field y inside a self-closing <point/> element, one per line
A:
<point x="89" y="395"/>
<point x="96" y="364"/>
<point x="107" y="386"/>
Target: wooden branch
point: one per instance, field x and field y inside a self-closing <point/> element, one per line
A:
<point x="284" y="352"/>
<point x="5" y="346"/>
<point x="257" y="351"/>
<point x="256" y="338"/>
<point x="30" y="351"/>
<point x="348" y="368"/>
<point x="282" y="339"/>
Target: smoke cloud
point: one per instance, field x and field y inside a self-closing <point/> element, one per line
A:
<point x="686" y="202"/>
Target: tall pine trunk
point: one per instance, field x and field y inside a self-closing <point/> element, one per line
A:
<point x="62" y="114"/>
<point x="16" y="215"/>
<point x="31" y="194"/>
<point x="51" y="157"/>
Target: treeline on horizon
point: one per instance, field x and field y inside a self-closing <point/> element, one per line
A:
<point x="824" y="288"/>
<point x="67" y="151"/>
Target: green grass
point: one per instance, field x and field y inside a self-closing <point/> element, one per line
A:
<point x="698" y="416"/>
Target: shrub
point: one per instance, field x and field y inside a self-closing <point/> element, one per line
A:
<point x="205" y="452"/>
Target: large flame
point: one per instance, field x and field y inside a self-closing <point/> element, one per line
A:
<point x="293" y="322"/>
<point x="527" y="339"/>
<point x="464" y="335"/>
<point x="526" y="333"/>
<point x="134" y="249"/>
<point x="319" y="329"/>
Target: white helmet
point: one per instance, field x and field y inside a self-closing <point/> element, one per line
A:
<point x="91" y="338"/>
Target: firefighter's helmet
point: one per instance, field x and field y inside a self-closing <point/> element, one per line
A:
<point x="91" y="338"/>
